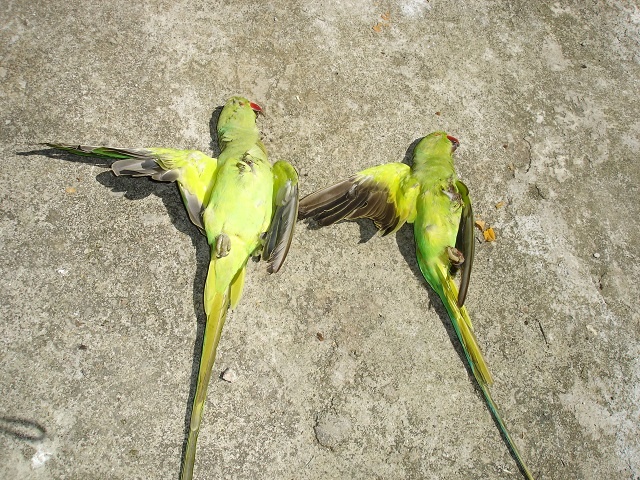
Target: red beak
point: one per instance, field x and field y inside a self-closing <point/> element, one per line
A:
<point x="455" y="143"/>
<point x="255" y="107"/>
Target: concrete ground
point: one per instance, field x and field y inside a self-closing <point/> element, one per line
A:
<point x="346" y="365"/>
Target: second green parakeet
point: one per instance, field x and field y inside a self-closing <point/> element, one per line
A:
<point x="429" y="195"/>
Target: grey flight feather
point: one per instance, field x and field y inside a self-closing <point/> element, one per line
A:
<point x="280" y="234"/>
<point x="351" y="199"/>
<point x="465" y="242"/>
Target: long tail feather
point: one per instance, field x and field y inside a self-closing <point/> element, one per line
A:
<point x="235" y="292"/>
<point x="505" y="433"/>
<point x="104" y="152"/>
<point x="464" y="330"/>
<point x="216" y="305"/>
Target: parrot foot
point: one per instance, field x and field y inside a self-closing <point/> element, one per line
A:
<point x="223" y="245"/>
<point x="246" y="161"/>
<point x="455" y="255"/>
<point x="453" y="194"/>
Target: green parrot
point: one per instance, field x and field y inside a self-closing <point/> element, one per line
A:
<point x="242" y="204"/>
<point x="429" y="195"/>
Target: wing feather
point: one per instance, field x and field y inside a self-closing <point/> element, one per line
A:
<point x="193" y="170"/>
<point x="285" y="200"/>
<point x="379" y="194"/>
<point x="465" y="242"/>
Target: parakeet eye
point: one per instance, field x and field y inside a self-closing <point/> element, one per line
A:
<point x="455" y="143"/>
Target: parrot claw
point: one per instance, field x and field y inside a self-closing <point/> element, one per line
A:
<point x="453" y="194"/>
<point x="257" y="253"/>
<point x="455" y="255"/>
<point x="223" y="245"/>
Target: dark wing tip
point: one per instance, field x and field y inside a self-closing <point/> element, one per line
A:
<point x="317" y="203"/>
<point x="349" y="200"/>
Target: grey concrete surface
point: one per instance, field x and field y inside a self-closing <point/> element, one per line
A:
<point x="345" y="363"/>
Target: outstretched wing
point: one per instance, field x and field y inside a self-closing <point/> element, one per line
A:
<point x="285" y="208"/>
<point x="193" y="170"/>
<point x="385" y="194"/>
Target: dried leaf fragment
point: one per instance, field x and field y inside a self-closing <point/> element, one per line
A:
<point x="500" y="204"/>
<point x="385" y="17"/>
<point x="481" y="224"/>
<point x="489" y="235"/>
<point x="70" y="190"/>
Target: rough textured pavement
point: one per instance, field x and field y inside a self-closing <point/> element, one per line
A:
<point x="345" y="362"/>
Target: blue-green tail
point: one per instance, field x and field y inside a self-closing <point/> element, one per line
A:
<point x="503" y="430"/>
<point x="464" y="330"/>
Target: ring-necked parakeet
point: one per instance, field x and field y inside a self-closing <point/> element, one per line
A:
<point x="429" y="195"/>
<point x="241" y="203"/>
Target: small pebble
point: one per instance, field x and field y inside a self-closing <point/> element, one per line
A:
<point x="229" y="375"/>
<point x="596" y="255"/>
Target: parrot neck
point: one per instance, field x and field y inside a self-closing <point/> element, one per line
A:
<point x="237" y="135"/>
<point x="240" y="148"/>
<point x="234" y="132"/>
<point x="430" y="166"/>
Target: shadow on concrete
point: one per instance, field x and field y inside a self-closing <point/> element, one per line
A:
<point x="22" y="429"/>
<point x="213" y="131"/>
<point x="408" y="155"/>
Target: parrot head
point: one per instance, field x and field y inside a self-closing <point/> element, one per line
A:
<point x="238" y="114"/>
<point x="435" y="145"/>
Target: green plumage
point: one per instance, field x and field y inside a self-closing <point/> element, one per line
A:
<point x="244" y="207"/>
<point x="429" y="195"/>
